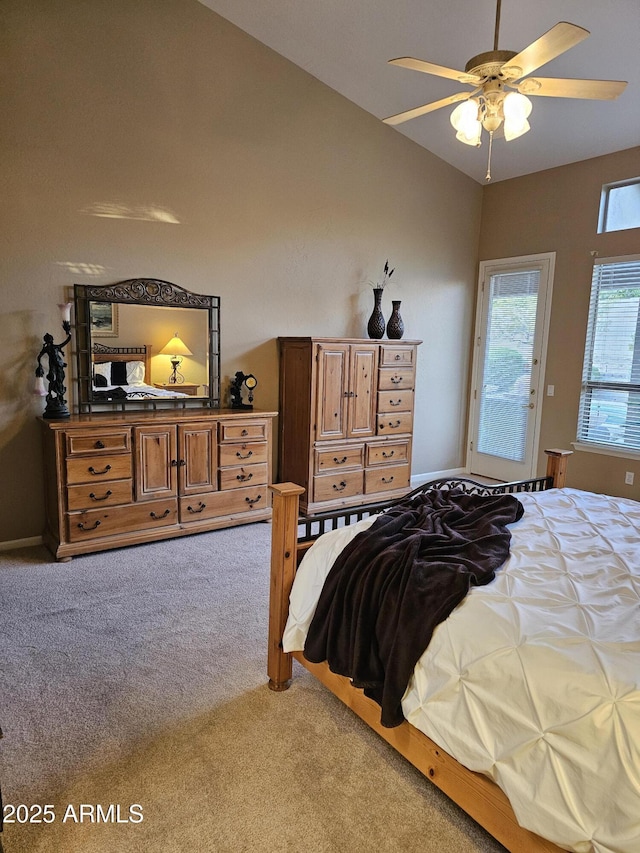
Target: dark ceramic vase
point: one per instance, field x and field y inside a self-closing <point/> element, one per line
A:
<point x="395" y="326"/>
<point x="376" y="326"/>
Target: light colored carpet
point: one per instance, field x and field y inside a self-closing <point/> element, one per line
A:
<point x="137" y="676"/>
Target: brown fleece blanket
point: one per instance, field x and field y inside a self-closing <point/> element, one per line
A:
<point x="396" y="581"/>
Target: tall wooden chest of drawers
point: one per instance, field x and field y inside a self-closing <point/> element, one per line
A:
<point x="346" y="419"/>
<point x="115" y="479"/>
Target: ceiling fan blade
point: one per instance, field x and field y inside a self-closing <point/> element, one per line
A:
<point x="438" y="70"/>
<point x="554" y="42"/>
<point x="556" y="87"/>
<point x="426" y="108"/>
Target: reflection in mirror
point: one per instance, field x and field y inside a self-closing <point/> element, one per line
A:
<point x="127" y="353"/>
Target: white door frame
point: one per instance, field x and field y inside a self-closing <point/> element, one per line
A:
<point x="546" y="261"/>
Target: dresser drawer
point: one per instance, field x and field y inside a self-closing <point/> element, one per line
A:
<point x="394" y="424"/>
<point x="348" y="456"/>
<point x="245" y="475"/>
<point x="383" y="479"/>
<point x="395" y="401"/>
<point x="216" y="504"/>
<point x="95" y="443"/>
<point x="387" y="453"/>
<point x="237" y="431"/>
<point x="396" y="378"/>
<point x="96" y="523"/>
<point x="246" y="453"/>
<point x="89" y="495"/>
<point x="396" y="354"/>
<point x="343" y="484"/>
<point x="91" y="469"/>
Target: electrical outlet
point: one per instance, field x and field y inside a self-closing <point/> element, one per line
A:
<point x="551" y="390"/>
<point x="628" y="478"/>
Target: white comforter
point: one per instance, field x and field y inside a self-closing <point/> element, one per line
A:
<point x="534" y="679"/>
<point x="139" y="389"/>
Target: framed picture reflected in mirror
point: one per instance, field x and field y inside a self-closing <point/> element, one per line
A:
<point x="104" y="319"/>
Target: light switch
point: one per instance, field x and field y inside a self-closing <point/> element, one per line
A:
<point x="551" y="390"/>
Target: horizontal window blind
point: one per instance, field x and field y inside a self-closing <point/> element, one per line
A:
<point x="610" y="398"/>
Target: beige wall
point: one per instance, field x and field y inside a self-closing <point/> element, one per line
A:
<point x="557" y="211"/>
<point x="226" y="170"/>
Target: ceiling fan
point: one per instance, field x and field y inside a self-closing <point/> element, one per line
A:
<point x="500" y="81"/>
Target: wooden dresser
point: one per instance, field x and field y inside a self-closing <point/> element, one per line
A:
<point x="115" y="479"/>
<point x="346" y="419"/>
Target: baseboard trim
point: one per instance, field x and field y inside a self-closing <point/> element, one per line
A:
<point x="13" y="544"/>
<point x="418" y="479"/>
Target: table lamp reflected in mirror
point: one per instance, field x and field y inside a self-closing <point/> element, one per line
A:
<point x="177" y="349"/>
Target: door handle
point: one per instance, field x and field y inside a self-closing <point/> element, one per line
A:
<point x="529" y="406"/>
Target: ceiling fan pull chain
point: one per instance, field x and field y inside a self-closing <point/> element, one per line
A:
<point x="487" y="177"/>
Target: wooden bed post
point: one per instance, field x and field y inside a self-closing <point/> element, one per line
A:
<point x="284" y="537"/>
<point x="557" y="466"/>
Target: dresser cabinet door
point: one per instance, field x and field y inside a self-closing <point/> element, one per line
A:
<point x="156" y="462"/>
<point x="197" y="458"/>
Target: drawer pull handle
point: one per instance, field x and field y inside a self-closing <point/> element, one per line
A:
<point x="201" y="506"/>
<point x="245" y="432"/>
<point x="395" y="402"/>
<point x="398" y="356"/>
<point x="82" y="527"/>
<point x="394" y="425"/>
<point x="244" y="456"/>
<point x="182" y="463"/>
<point x="107" y="494"/>
<point x="93" y="471"/>
<point x="339" y="461"/>
<point x="252" y="501"/>
<point x="243" y="478"/>
<point x="390" y="480"/>
<point x="396" y="380"/>
<point x="99" y="444"/>
<point x="388" y="455"/>
<point x="341" y="487"/>
<point x="174" y="463"/>
<point x="158" y="517"/>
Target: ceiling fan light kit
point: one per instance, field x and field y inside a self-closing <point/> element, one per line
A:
<point x="501" y="84"/>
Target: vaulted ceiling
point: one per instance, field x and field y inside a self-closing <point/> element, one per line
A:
<point x="346" y="45"/>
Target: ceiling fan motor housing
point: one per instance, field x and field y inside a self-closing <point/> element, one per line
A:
<point x="488" y="64"/>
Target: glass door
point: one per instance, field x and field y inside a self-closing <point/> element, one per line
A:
<point x="511" y="332"/>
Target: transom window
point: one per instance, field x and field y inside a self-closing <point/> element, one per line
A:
<point x="620" y="206"/>
<point x="610" y="399"/>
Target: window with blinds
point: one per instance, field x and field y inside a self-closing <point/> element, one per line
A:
<point x="610" y="399"/>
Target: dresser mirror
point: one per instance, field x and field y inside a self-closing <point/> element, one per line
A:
<point x="145" y="343"/>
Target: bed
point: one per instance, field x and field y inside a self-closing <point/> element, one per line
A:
<point x="121" y="373"/>
<point x="539" y="772"/>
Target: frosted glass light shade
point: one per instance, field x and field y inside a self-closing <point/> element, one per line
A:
<point x="465" y="121"/>
<point x="40" y="387"/>
<point x="516" y="109"/>
<point x="65" y="311"/>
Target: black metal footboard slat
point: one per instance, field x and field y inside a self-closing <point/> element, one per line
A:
<point x="311" y="527"/>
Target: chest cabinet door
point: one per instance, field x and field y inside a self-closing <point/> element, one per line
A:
<point x="332" y="390"/>
<point x="362" y="391"/>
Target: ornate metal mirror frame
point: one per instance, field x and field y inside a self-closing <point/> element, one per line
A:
<point x="152" y="293"/>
